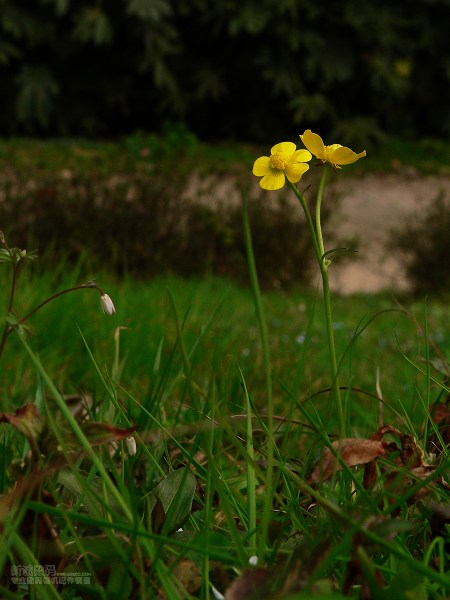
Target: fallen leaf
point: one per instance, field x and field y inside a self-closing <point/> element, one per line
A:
<point x="383" y="430"/>
<point x="27" y="420"/>
<point x="440" y="414"/>
<point x="411" y="453"/>
<point x="352" y="452"/>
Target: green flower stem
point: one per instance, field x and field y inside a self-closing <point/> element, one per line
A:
<point x="82" y="286"/>
<point x="309" y="221"/>
<point x="318" y="207"/>
<point x="319" y="251"/>
<point x="9" y="328"/>
<point x="334" y="367"/>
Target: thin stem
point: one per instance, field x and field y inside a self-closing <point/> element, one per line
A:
<point x="331" y="345"/>
<point x="7" y="329"/>
<point x="318" y="207"/>
<point x="5" y="334"/>
<point x="309" y="221"/>
<point x="72" y="289"/>
<point x="319" y="251"/>
<point x="324" y="263"/>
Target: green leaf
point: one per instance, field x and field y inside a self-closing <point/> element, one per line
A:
<point x="37" y="88"/>
<point x="93" y="25"/>
<point x="15" y="255"/>
<point x="8" y="52"/>
<point x="176" y="493"/>
<point x="5" y="256"/>
<point x="24" y="330"/>
<point x="338" y="252"/>
<point x="155" y="11"/>
<point x="12" y="318"/>
<point x="61" y="6"/>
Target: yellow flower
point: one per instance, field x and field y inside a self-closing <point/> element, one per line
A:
<point x="285" y="161"/>
<point x="335" y="154"/>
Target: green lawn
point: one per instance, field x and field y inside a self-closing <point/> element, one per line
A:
<point x="220" y="332"/>
<point x="189" y="357"/>
<point x="142" y="151"/>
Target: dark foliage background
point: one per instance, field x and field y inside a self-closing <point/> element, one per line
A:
<point x="246" y="69"/>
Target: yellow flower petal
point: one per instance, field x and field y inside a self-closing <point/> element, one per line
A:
<point x="273" y="180"/>
<point x="286" y="148"/>
<point x="261" y="166"/>
<point x="295" y="165"/>
<point x="345" y="156"/>
<point x="301" y="156"/>
<point x="294" y="171"/>
<point x="313" y="143"/>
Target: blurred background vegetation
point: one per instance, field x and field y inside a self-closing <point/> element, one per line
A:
<point x="249" y="70"/>
<point x="119" y="119"/>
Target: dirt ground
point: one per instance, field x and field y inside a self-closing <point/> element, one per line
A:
<point x="369" y="209"/>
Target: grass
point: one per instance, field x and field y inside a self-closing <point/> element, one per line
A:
<point x="297" y="342"/>
<point x="182" y="151"/>
<point x="188" y="447"/>
<point x="179" y="367"/>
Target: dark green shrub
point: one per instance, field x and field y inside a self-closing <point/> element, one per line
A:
<point x="424" y="246"/>
<point x="248" y="70"/>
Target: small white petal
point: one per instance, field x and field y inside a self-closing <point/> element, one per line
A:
<point x="253" y="560"/>
<point x="130" y="443"/>
<point x="107" y="304"/>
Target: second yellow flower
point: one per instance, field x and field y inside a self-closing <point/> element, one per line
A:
<point x="284" y="161"/>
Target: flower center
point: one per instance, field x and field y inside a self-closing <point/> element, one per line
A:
<point x="328" y="151"/>
<point x="277" y="161"/>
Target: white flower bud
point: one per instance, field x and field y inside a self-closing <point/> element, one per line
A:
<point x="130" y="443"/>
<point x="107" y="304"/>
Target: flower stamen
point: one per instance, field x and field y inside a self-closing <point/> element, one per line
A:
<point x="277" y="161"/>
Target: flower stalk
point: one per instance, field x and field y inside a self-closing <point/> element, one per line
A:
<point x="323" y="262"/>
<point x="15" y="257"/>
<point x="82" y="286"/>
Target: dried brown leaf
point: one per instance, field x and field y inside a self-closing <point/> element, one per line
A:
<point x="27" y="420"/>
<point x="440" y="412"/>
<point x="383" y="430"/>
<point x="411" y="453"/>
<point x="370" y="474"/>
<point x="352" y="452"/>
